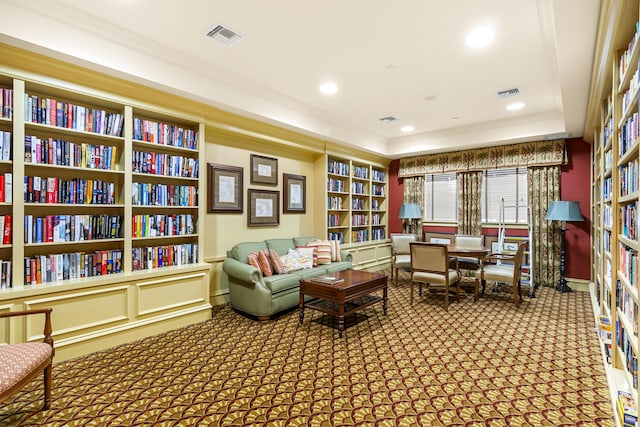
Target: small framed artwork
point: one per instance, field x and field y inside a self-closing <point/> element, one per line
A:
<point x="294" y="192"/>
<point x="264" y="208"/>
<point x="224" y="189"/>
<point x="264" y="170"/>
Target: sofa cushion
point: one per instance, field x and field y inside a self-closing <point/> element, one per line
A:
<point x="338" y="266"/>
<point x="252" y="259"/>
<point x="302" y="241"/>
<point x="265" y="263"/>
<point x="276" y="264"/>
<point x="323" y="250"/>
<point x="241" y="251"/>
<point x="281" y="246"/>
<point x="282" y="282"/>
<point x="308" y="257"/>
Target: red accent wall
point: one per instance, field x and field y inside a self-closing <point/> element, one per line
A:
<point x="575" y="182"/>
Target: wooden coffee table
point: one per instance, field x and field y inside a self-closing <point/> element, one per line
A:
<point x="346" y="297"/>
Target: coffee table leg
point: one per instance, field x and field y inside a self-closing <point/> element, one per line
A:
<point x="301" y="308"/>
<point x="340" y="319"/>
<point x="384" y="301"/>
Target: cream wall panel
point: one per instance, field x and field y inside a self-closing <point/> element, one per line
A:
<point x="163" y="294"/>
<point x="82" y="312"/>
<point x="5" y="329"/>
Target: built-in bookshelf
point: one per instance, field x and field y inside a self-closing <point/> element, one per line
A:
<point x="356" y="201"/>
<point x="99" y="187"/>
<point x="615" y="236"/>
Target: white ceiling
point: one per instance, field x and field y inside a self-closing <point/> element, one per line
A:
<point x="386" y="57"/>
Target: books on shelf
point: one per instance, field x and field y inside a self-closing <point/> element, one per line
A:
<point x="328" y="279"/>
<point x="626" y="409"/>
<point x="164" y="134"/>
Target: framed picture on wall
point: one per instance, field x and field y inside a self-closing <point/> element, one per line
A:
<point x="264" y="208"/>
<point x="224" y="188"/>
<point x="264" y="170"/>
<point x="294" y="192"/>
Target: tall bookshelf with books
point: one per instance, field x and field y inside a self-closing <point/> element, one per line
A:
<point x="615" y="239"/>
<point x="100" y="212"/>
<point x="356" y="201"/>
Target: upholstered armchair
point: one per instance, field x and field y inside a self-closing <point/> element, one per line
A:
<point x="400" y="253"/>
<point x="469" y="242"/>
<point x="21" y="363"/>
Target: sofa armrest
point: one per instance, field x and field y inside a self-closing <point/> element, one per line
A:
<point x="346" y="255"/>
<point x="241" y="271"/>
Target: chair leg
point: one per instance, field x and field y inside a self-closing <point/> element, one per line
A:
<point x="446" y="297"/>
<point x="411" y="292"/>
<point x="47" y="386"/>
<point x="475" y="290"/>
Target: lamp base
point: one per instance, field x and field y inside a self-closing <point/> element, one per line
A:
<point x="563" y="287"/>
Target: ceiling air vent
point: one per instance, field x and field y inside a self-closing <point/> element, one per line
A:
<point x="388" y="119"/>
<point x="223" y="34"/>
<point x="508" y="92"/>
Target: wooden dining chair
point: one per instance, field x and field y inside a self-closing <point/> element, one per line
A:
<point x="20" y="363"/>
<point x="507" y="270"/>
<point x="430" y="265"/>
<point x="471" y="242"/>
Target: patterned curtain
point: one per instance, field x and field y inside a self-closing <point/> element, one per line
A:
<point x="414" y="193"/>
<point x="469" y="197"/>
<point x="544" y="187"/>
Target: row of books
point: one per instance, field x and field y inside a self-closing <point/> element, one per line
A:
<point x="359" y="220"/>
<point x="357" y="204"/>
<point x="378" y="190"/>
<point x="629" y="221"/>
<point x="378" y="234"/>
<point x="5" y="146"/>
<point x="628" y="134"/>
<point x="71" y="228"/>
<point x="630" y="358"/>
<point x="333" y="220"/>
<point x="165" y="164"/>
<point x="339" y="236"/>
<point x="630" y="94"/>
<point x="627" y="307"/>
<point x="6" y="103"/>
<point x="335" y="185"/>
<point x="628" y="259"/>
<point x="334" y="202"/>
<point x="146" y="194"/>
<point x="608" y="160"/>
<point x="338" y="168"/>
<point x="51" y="151"/>
<point x="377" y="175"/>
<point x="6" y="229"/>
<point x="162" y="225"/>
<point x="164" y="133"/>
<point x="375" y="205"/>
<point x="627" y="409"/>
<point x="376" y="219"/>
<point x="73" y="265"/>
<point x="361" y="172"/>
<point x="76" y="191"/>
<point x="52" y="112"/>
<point x="607" y="131"/>
<point x="5" y="274"/>
<point x="625" y="58"/>
<point x="164" y="256"/>
<point x="358" y="188"/>
<point x="6" y="187"/>
<point x="360" y="236"/>
<point x="629" y="178"/>
<point x="607" y="189"/>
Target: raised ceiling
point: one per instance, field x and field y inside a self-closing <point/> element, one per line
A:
<point x="406" y="59"/>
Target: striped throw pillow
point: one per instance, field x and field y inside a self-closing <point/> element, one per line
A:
<point x="252" y="259"/>
<point x="276" y="263"/>
<point x="265" y="263"/>
<point x="335" y="250"/>
<point x="323" y="251"/>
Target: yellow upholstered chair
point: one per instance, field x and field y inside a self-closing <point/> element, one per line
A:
<point x="430" y="265"/>
<point x="21" y="363"/>
<point x="400" y="253"/>
<point x="469" y="242"/>
<point x="507" y="271"/>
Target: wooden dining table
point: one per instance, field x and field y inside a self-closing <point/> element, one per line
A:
<point x="479" y="253"/>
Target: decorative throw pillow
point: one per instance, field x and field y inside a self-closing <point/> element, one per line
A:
<point x="276" y="264"/>
<point x="252" y="259"/>
<point x="309" y="253"/>
<point x="335" y="250"/>
<point x="323" y="249"/>
<point x="265" y="263"/>
<point x="305" y="256"/>
<point x="290" y="263"/>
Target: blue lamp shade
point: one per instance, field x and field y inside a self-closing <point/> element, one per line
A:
<point x="410" y="211"/>
<point x="562" y="210"/>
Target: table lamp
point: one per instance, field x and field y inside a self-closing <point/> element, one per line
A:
<point x="562" y="210"/>
<point x="411" y="212"/>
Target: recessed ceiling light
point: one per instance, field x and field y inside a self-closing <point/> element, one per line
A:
<point x="328" y="88"/>
<point x="480" y="37"/>
<point x="515" y="106"/>
<point x="407" y="128"/>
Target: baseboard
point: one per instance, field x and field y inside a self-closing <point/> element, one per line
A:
<point x="578" y="285"/>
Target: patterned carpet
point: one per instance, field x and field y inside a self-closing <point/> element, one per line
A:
<point x="479" y="364"/>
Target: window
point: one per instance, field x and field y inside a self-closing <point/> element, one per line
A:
<point x="440" y="198"/>
<point x="509" y="185"/>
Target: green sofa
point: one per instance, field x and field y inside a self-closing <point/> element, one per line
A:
<point x="263" y="297"/>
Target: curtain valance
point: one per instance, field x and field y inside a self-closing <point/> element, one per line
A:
<point x="539" y="153"/>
